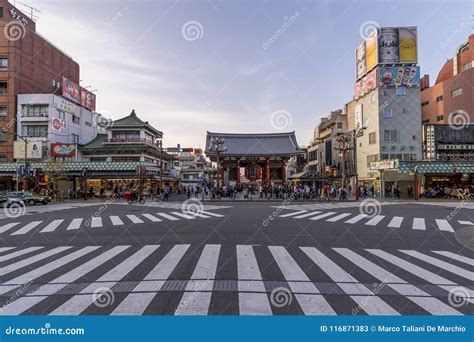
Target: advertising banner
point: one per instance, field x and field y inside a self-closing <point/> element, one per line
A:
<point x="366" y="84"/>
<point x="388" y="46"/>
<point x="33" y="149"/>
<point x="71" y="90"/>
<point x="384" y="164"/>
<point x="408" y="37"/>
<point x="58" y="125"/>
<point x="64" y="105"/>
<point x="371" y="57"/>
<point x="62" y="150"/>
<point x="88" y="99"/>
<point x="359" y="118"/>
<point x="407" y="76"/>
<point x="361" y="67"/>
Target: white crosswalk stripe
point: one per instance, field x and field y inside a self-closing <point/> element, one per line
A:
<point x="134" y="219"/>
<point x="51" y="227"/>
<point x="466" y="223"/>
<point x="322" y="216"/>
<point x="212" y="214"/>
<point x="357" y="218"/>
<point x="396" y="222"/>
<point x="116" y="221"/>
<point x="444" y="225"/>
<point x="419" y="223"/>
<point x="186" y="216"/>
<point x="307" y="214"/>
<point x="169" y="217"/>
<point x="8" y="226"/>
<point x="152" y="218"/>
<point x="75" y="224"/>
<point x="27" y="228"/>
<point x="3" y="249"/>
<point x="374" y="220"/>
<point x="293" y="213"/>
<point x="96" y="222"/>
<point x="338" y="217"/>
<point x="78" y="273"/>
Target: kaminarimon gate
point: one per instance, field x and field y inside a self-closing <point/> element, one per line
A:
<point x="253" y="159"/>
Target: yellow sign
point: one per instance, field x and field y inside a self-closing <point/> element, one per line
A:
<point x="408" y="48"/>
<point x="371" y="57"/>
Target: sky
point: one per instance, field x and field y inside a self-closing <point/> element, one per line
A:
<point x="191" y="66"/>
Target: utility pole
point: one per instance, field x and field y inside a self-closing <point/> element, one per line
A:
<point x="356" y="133"/>
<point x="161" y="164"/>
<point x="344" y="145"/>
<point x="217" y="145"/>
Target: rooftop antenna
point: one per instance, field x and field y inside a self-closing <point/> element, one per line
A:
<point x="31" y="9"/>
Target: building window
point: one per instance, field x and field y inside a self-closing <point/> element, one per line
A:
<point x="439" y="118"/>
<point x="3" y="110"/>
<point x="98" y="159"/>
<point x="413" y="137"/>
<point x="425" y="121"/>
<point x="404" y="111"/>
<point x="34" y="110"/>
<point x="3" y="88"/>
<point x="87" y="123"/>
<point x="339" y="125"/>
<point x="3" y="138"/>
<point x="3" y="159"/>
<point x="76" y="119"/>
<point x="61" y="115"/>
<point x="387" y="112"/>
<point x="126" y="136"/>
<point x="390" y="136"/>
<point x="439" y="98"/>
<point x="372" y="138"/>
<point x="425" y="103"/>
<point x="456" y="92"/>
<point x="36" y="131"/>
<point x="401" y="91"/>
<point x="75" y="138"/>
<point x="468" y="65"/>
<point x="3" y="63"/>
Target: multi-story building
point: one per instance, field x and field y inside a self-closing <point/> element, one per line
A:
<point x="450" y="99"/>
<point x="56" y="126"/>
<point x="29" y="64"/>
<point x="387" y="110"/>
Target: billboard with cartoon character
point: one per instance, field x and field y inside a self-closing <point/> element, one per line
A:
<point x="403" y="76"/>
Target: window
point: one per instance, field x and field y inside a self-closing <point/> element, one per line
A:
<point x="425" y="103"/>
<point x="126" y="136"/>
<point x="3" y="88"/>
<point x="439" y="98"/>
<point x="3" y="138"/>
<point x="390" y="136"/>
<point x="87" y="123"/>
<point x="76" y="119"/>
<point x="3" y="63"/>
<point x="3" y="110"/>
<point x="468" y="66"/>
<point x="3" y="159"/>
<point x="425" y="121"/>
<point x="61" y="115"/>
<point x="413" y="137"/>
<point x="372" y="138"/>
<point x="339" y="125"/>
<point x="404" y="111"/>
<point x="34" y="110"/>
<point x="439" y="118"/>
<point x="75" y="138"/>
<point x="98" y="159"/>
<point x="401" y="91"/>
<point x="456" y="92"/>
<point x="387" y="112"/>
<point x="36" y="131"/>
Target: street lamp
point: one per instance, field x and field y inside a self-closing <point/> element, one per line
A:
<point x="217" y="145"/>
<point x="357" y="133"/>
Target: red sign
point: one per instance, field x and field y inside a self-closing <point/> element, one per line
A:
<point x="61" y="150"/>
<point x="59" y="125"/>
<point x="88" y="99"/>
<point x="71" y="90"/>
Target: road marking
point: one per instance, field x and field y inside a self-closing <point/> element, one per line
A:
<point x="356" y="219"/>
<point x="430" y="304"/>
<point x="307" y="214"/>
<point x="194" y="301"/>
<point x="152" y="218"/>
<point x="8" y="226"/>
<point x="467" y="222"/>
<point x="212" y="214"/>
<point x="396" y="222"/>
<point x="20" y="305"/>
<point x="53" y="265"/>
<point x="444" y="225"/>
<point x="322" y="216"/>
<point x="134" y="304"/>
<point x="186" y="216"/>
<point x="52" y="226"/>
<point x="441" y="264"/>
<point x="18" y="253"/>
<point x="75" y="224"/>
<point x="457" y="257"/>
<point x="338" y="217"/>
<point x="251" y="303"/>
<point x="116" y="221"/>
<point x="134" y="219"/>
<point x="419" y="223"/>
<point x="376" y="219"/>
<point x="3" y="249"/>
<point x="31" y="260"/>
<point x="169" y="217"/>
<point x="27" y="228"/>
<point x="349" y="284"/>
<point x="73" y="306"/>
<point x="293" y="213"/>
<point x="96" y="222"/>
<point x="311" y="304"/>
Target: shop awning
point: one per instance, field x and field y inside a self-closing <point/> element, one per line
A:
<point x="437" y="167"/>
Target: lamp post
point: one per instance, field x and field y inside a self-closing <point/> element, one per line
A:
<point x="217" y="145"/>
<point x="356" y="133"/>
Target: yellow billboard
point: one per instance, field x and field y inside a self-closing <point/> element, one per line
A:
<point x="371" y="57"/>
<point x="33" y="150"/>
<point x="408" y="44"/>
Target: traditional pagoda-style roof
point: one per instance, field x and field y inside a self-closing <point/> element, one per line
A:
<point x="132" y="120"/>
<point x="255" y="144"/>
<point x="95" y="143"/>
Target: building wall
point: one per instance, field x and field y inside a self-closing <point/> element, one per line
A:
<point x="33" y="64"/>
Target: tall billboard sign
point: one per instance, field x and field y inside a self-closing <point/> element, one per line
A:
<point x="72" y="91"/>
<point x="388" y="46"/>
<point x="361" y="67"/>
<point x="371" y="53"/>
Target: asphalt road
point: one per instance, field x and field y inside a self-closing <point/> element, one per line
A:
<point x="238" y="258"/>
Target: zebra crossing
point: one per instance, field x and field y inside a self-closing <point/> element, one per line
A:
<point x="415" y="223"/>
<point x="66" y="225"/>
<point x="192" y="280"/>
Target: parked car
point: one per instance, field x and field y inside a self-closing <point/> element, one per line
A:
<point x="31" y="198"/>
<point x="11" y="198"/>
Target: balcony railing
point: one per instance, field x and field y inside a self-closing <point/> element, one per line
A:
<point x="129" y="141"/>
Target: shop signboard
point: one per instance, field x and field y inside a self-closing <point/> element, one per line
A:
<point x="62" y="150"/>
<point x="33" y="149"/>
<point x="384" y="164"/>
<point x="58" y="125"/>
<point x="361" y="67"/>
<point x="403" y="76"/>
<point x="62" y="104"/>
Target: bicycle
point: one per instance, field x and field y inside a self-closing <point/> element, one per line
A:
<point x="139" y="199"/>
